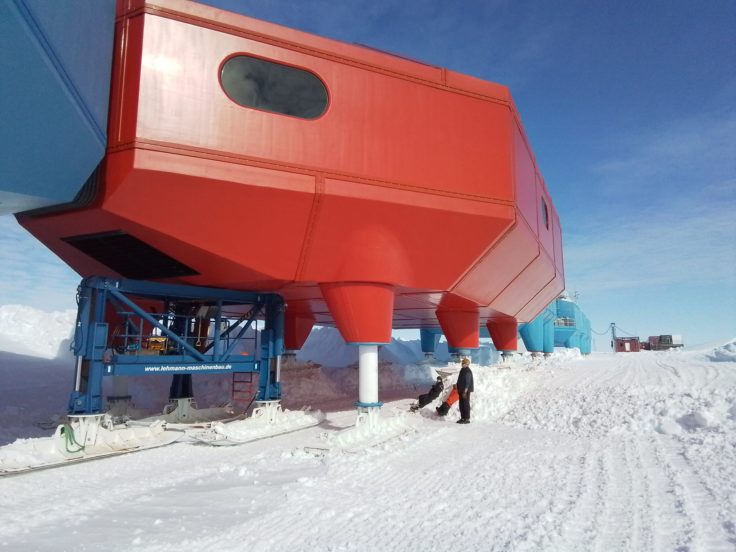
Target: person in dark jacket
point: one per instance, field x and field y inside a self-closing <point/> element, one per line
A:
<point x="464" y="389"/>
<point x="431" y="395"/>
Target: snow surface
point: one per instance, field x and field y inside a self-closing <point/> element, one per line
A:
<point x="610" y="452"/>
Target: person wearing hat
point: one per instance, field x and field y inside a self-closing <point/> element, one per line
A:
<point x="464" y="389"/>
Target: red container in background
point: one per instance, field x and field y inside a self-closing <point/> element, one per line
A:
<point x="627" y="345"/>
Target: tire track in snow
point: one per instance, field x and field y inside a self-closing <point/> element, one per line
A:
<point x="516" y="507"/>
<point x="702" y="529"/>
<point x="583" y="518"/>
<point x="628" y="500"/>
<point x="180" y="465"/>
<point x="642" y="519"/>
<point x="637" y="495"/>
<point x="616" y="530"/>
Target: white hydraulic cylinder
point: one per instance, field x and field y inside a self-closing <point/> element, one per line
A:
<point x="78" y="375"/>
<point x="368" y="374"/>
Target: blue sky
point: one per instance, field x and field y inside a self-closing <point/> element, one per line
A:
<point x="630" y="108"/>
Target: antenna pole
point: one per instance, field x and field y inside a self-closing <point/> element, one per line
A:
<point x="613" y="336"/>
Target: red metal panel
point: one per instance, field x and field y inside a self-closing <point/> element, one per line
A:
<point x="270" y="33"/>
<point x="362" y="312"/>
<point x="461" y="328"/>
<point x="179" y="195"/>
<point x="524" y="175"/>
<point x="517" y="294"/>
<point x="125" y="80"/>
<point x="377" y="126"/>
<point x="504" y="334"/>
<point x="500" y="266"/>
<point x="364" y="232"/>
<point x="548" y="294"/>
<point x="298" y="323"/>
<point x="466" y="83"/>
<point x="545" y="220"/>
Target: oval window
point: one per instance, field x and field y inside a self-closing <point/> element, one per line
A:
<point x="260" y="84"/>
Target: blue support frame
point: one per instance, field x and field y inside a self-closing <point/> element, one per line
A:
<point x="102" y="299"/>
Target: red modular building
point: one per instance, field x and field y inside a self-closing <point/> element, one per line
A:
<point x="369" y="190"/>
<point x="627" y="345"/>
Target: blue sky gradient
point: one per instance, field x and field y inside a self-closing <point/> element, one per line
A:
<point x="630" y="108"/>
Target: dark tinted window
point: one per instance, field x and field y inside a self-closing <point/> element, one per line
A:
<point x="545" y="214"/>
<point x="261" y="84"/>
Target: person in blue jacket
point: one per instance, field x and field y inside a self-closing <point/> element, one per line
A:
<point x="464" y="389"/>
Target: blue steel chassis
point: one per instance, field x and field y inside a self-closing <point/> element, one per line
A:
<point x="96" y="357"/>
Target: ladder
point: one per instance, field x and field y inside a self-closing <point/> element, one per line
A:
<point x="244" y="388"/>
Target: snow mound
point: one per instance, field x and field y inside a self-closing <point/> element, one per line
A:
<point x="671" y="399"/>
<point x="563" y="356"/>
<point x="725" y="353"/>
<point x="497" y="390"/>
<point x="624" y="410"/>
<point x="32" y="332"/>
<point x="325" y="346"/>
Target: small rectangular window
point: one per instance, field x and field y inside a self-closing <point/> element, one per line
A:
<point x="545" y="214"/>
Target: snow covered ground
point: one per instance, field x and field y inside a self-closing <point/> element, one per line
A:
<point x="611" y="452"/>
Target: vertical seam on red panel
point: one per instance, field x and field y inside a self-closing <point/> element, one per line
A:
<point x="319" y="188"/>
<point x="121" y="87"/>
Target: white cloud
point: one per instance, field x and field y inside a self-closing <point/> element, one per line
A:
<point x="689" y="150"/>
<point x="677" y="245"/>
<point x="666" y="214"/>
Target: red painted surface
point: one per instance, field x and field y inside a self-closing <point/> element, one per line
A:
<point x="453" y="397"/>
<point x="415" y="188"/>
<point x="297" y="326"/>
<point x="461" y="327"/>
<point x="362" y="311"/>
<point x="627" y="345"/>
<point x="504" y="334"/>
